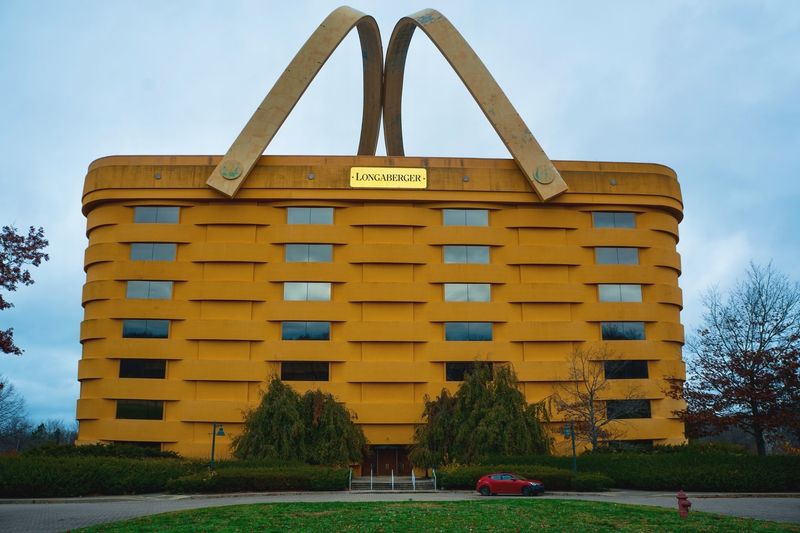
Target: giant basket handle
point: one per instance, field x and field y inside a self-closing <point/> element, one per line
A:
<point x="531" y="159"/>
<point x="281" y="99"/>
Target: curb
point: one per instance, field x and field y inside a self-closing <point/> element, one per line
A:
<point x="168" y="497"/>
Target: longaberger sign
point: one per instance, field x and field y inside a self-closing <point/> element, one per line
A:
<point x="389" y="178"/>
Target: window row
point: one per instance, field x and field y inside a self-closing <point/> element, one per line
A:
<point x="324" y="215"/>
<point x="294" y="291"/>
<point x="323" y="253"/>
<point x="154" y="409"/>
<point x="302" y="330"/>
<point x="318" y="371"/>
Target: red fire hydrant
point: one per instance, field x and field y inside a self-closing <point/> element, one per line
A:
<point x="683" y="504"/>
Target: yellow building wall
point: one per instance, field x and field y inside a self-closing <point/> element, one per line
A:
<point x="387" y="348"/>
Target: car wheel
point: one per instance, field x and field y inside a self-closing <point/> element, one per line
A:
<point x="485" y="491"/>
<point x="527" y="491"/>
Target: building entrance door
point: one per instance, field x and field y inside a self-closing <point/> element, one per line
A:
<point x="383" y="460"/>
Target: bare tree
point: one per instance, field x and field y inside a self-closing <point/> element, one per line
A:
<point x="13" y="417"/>
<point x="581" y="397"/>
<point x="746" y="364"/>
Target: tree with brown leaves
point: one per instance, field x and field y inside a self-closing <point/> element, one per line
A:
<point x="17" y="252"/>
<point x="745" y="371"/>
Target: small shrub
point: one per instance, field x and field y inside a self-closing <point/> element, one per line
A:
<point x="591" y="482"/>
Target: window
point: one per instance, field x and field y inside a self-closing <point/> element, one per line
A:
<point x="467" y="292"/>
<point x="306" y="291"/>
<point x="156" y="215"/>
<point x="140" y="409"/>
<point x="458" y="371"/>
<point x="306" y="331"/>
<point x="153" y="251"/>
<point x="608" y="219"/>
<point x="619" y="409"/>
<point x="304" y="371"/>
<point x="145" y="329"/>
<point x="625" y="369"/>
<point x="468" y="331"/>
<point x="140" y="444"/>
<point x="309" y="215"/>
<point x="466" y="217"/>
<point x="466" y="254"/>
<point x="622" y="331"/>
<point x="309" y="253"/>
<point x="619" y="293"/>
<point x="616" y="256"/>
<point x="143" y="368"/>
<point x="149" y="290"/>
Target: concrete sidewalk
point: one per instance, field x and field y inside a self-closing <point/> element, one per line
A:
<point x="59" y="514"/>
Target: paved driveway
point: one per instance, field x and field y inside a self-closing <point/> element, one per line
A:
<point x="43" y="516"/>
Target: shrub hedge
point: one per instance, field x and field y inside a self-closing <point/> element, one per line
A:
<point x="688" y="468"/>
<point x="100" y="450"/>
<point x="250" y="479"/>
<point x="38" y="477"/>
<point x="591" y="482"/>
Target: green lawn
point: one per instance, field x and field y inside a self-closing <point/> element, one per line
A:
<point x="491" y="515"/>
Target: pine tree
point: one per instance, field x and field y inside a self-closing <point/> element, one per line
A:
<point x="275" y="429"/>
<point x="488" y="415"/>
<point x="314" y="428"/>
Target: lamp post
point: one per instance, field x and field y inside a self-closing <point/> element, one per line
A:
<point x="569" y="431"/>
<point x="214" y="433"/>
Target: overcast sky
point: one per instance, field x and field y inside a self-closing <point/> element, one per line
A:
<point x="711" y="89"/>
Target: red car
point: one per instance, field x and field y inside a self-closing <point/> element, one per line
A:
<point x="508" y="483"/>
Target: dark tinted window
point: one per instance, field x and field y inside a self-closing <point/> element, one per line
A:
<point x="306" y="331"/>
<point x="309" y="253"/>
<point x="309" y="215"/>
<point x="466" y="217"/>
<point x="619" y="409"/>
<point x="616" y="256"/>
<point x="149" y="290"/>
<point x="607" y="219"/>
<point x="468" y="331"/>
<point x="140" y="409"/>
<point x="466" y="254"/>
<point x="156" y="215"/>
<point x="619" y="292"/>
<point x="145" y="329"/>
<point x="139" y="444"/>
<point x="143" y="368"/>
<point x="153" y="251"/>
<point x="625" y="369"/>
<point x="458" y="371"/>
<point x="622" y="331"/>
<point x="304" y="371"/>
<point x="633" y="445"/>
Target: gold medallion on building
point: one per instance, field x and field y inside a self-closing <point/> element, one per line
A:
<point x="544" y="175"/>
<point x="231" y="169"/>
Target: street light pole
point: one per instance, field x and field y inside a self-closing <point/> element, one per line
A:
<point x="569" y="431"/>
<point x="574" y="455"/>
<point x="214" y="434"/>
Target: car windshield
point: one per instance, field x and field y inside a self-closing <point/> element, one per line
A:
<point x="517" y="476"/>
